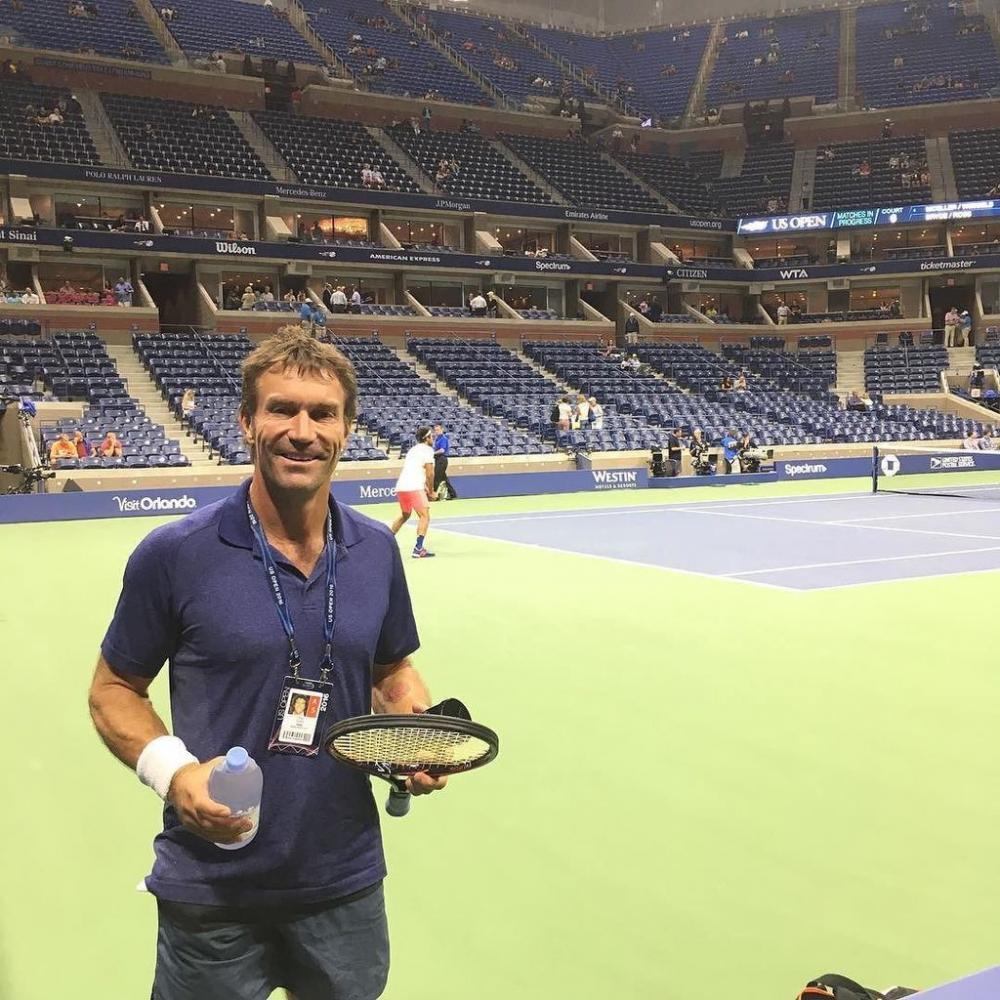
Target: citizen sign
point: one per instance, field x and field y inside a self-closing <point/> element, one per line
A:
<point x="225" y="247"/>
<point x="691" y="272"/>
<point x="131" y="505"/>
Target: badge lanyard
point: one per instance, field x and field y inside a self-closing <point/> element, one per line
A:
<point x="303" y="702"/>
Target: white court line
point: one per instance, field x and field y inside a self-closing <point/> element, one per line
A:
<point x="665" y="508"/>
<point x="623" y="562"/>
<point x="843" y="524"/>
<point x="861" y="562"/>
<point x="903" y="579"/>
<point x="938" y="513"/>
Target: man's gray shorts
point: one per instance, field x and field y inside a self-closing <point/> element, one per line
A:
<point x="337" y="950"/>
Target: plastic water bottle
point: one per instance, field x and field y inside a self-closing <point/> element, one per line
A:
<point x="238" y="782"/>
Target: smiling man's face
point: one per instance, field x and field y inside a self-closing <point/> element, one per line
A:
<point x="298" y="431"/>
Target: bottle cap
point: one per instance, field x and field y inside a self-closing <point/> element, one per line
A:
<point x="237" y="760"/>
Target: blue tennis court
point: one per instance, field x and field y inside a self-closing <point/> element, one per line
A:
<point x="790" y="543"/>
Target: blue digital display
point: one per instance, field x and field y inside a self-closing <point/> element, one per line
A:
<point x="865" y="217"/>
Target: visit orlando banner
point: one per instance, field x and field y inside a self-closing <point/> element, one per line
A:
<point x="153" y="502"/>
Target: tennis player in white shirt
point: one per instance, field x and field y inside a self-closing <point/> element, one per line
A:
<point x="415" y="489"/>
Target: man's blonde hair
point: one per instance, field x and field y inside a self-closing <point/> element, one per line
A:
<point x="292" y="349"/>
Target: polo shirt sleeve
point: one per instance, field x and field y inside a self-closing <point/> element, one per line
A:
<point x="144" y="630"/>
<point x="398" y="635"/>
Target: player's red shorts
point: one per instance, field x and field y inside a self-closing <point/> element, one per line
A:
<point x="412" y="500"/>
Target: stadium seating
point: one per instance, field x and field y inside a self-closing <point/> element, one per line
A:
<point x="839" y="184"/>
<point x="415" y="67"/>
<point x="631" y="66"/>
<point x="496" y="51"/>
<point x="975" y="155"/>
<point x="803" y="51"/>
<point x="47" y="24"/>
<point x="810" y="373"/>
<point x="762" y="184"/>
<point x="905" y="369"/>
<point x="325" y="151"/>
<point x="581" y="173"/>
<point x="927" y="37"/>
<point x="688" y="183"/>
<point x="204" y="26"/>
<point x="22" y="137"/>
<point x="182" y="138"/>
<point x="482" y="171"/>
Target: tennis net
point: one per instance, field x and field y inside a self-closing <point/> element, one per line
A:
<point x="926" y="470"/>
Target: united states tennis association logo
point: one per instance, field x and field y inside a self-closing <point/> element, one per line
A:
<point x="889" y="465"/>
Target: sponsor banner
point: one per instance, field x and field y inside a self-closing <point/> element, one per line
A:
<point x="823" y="468"/>
<point x="945" y="462"/>
<point x="191" y="246"/>
<point x="356" y="196"/>
<point x="153" y="502"/>
<point x="683" y="482"/>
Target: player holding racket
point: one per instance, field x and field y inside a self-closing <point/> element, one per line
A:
<point x="415" y="489"/>
<point x="274" y="594"/>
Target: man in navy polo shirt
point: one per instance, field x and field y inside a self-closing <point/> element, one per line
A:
<point x="442" y="449"/>
<point x="301" y="905"/>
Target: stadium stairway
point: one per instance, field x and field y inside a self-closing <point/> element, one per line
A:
<point x="960" y="360"/>
<point x="847" y="78"/>
<point x="425" y="373"/>
<point x="109" y="147"/>
<point x="158" y="27"/>
<point x="850" y="372"/>
<point x="402" y="158"/>
<point x="542" y="370"/>
<point x="141" y="387"/>
<point x="639" y="182"/>
<point x="262" y="146"/>
<point x="533" y="175"/>
<point x="696" y="100"/>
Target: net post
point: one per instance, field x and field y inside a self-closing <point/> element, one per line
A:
<point x="875" y="468"/>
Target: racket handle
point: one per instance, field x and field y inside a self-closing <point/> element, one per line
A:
<point x="398" y="803"/>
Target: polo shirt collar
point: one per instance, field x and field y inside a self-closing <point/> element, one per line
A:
<point x="234" y="525"/>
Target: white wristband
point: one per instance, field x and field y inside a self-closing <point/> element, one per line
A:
<point x="160" y="760"/>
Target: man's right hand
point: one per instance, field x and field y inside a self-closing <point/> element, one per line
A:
<point x="199" y="813"/>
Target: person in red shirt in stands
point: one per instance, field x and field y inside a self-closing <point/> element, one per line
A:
<point x="81" y="445"/>
<point x="110" y="447"/>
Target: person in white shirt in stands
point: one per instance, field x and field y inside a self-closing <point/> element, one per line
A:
<point x="367" y="176"/>
<point x="596" y="414"/>
<point x="268" y="295"/>
<point x="338" y="300"/>
<point x="30" y="297"/>
<point x="971" y="442"/>
<point x="583" y="412"/>
<point x="565" y="413"/>
<point x="378" y="180"/>
<point x="415" y="489"/>
<point x="356" y="300"/>
<point x="478" y="304"/>
<point x="783" y="313"/>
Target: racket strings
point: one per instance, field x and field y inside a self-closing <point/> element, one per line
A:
<point x="404" y="748"/>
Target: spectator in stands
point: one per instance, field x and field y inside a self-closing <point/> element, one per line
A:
<point x="965" y="331"/>
<point x="854" y="401"/>
<point x="248" y="299"/>
<point x="596" y="414"/>
<point x="267" y="295"/>
<point x="188" y="403"/>
<point x="338" y="300"/>
<point x="83" y="449"/>
<point x="327" y="296"/>
<point x="565" y="413"/>
<point x="354" y="306"/>
<point x="124" y="291"/>
<point x="478" y="305"/>
<point x="62" y="447"/>
<point x="110" y="447"/>
<point x="655" y="310"/>
<point x="631" y="328"/>
<point x="30" y="297"/>
<point x="367" y="176"/>
<point x="971" y="442"/>
<point x="951" y="323"/>
<point x="740" y="385"/>
<point x="582" y="411"/>
<point x="783" y="313"/>
<point x="492" y="305"/>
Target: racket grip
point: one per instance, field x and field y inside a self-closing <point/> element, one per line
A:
<point x="398" y="803"/>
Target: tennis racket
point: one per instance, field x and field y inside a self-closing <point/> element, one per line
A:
<point x="443" y="740"/>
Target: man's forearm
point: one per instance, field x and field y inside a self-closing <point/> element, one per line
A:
<point x="125" y="720"/>
<point x="399" y="690"/>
